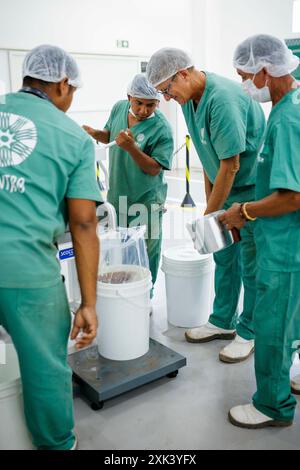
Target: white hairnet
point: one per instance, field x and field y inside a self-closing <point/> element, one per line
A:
<point x="165" y="63"/>
<point x="51" y="64"/>
<point x="141" y="88"/>
<point x="264" y="51"/>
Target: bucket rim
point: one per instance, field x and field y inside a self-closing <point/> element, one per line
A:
<point x="199" y="258"/>
<point x="144" y="283"/>
<point x="187" y="262"/>
<point x="124" y="267"/>
<point x="187" y="266"/>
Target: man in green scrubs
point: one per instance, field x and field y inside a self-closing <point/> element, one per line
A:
<point x="47" y="178"/>
<point x="137" y="187"/>
<point x="227" y="129"/>
<point x="265" y="65"/>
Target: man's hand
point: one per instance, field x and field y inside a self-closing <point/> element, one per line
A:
<point x="85" y="321"/>
<point x="232" y="218"/>
<point x="92" y="132"/>
<point x="125" y="140"/>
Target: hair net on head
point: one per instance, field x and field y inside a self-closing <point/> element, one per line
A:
<point x="141" y="88"/>
<point x="165" y="63"/>
<point x="51" y="64"/>
<point x="264" y="51"/>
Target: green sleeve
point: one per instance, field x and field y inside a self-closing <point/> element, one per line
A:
<point x="228" y="128"/>
<point x="285" y="172"/>
<point x="163" y="149"/>
<point x="108" y="125"/>
<point x="82" y="182"/>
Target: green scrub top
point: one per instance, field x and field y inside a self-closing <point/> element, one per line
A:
<point x="126" y="178"/>
<point x="226" y="123"/>
<point x="45" y="157"/>
<point x="278" y="238"/>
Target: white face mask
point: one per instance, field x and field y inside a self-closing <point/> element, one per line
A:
<point x="132" y="113"/>
<point x="262" y="95"/>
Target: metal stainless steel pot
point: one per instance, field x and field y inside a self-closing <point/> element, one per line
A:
<point x="210" y="235"/>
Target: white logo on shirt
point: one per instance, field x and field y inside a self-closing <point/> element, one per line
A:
<point x="140" y="138"/>
<point x="260" y="159"/>
<point x="296" y="97"/>
<point x="12" y="184"/>
<point x="18" y="138"/>
<point x="202" y="136"/>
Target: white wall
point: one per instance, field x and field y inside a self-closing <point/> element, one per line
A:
<point x="228" y="22"/>
<point x="296" y="22"/>
<point x="220" y="25"/>
<point x="4" y="72"/>
<point x="93" y="26"/>
<point x="209" y="29"/>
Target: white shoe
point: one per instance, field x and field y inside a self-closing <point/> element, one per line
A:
<point x="295" y="384"/>
<point x="75" y="446"/>
<point x="207" y="333"/>
<point x="237" y="351"/>
<point x="247" y="416"/>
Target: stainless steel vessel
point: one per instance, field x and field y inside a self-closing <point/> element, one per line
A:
<point x="210" y="235"/>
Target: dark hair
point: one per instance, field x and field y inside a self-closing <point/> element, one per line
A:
<point x="30" y="81"/>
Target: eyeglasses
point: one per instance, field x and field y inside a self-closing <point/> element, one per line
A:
<point x="166" y="91"/>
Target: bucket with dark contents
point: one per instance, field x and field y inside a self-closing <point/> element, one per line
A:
<point x="123" y="306"/>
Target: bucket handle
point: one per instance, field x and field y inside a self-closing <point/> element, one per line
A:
<point x="141" y="307"/>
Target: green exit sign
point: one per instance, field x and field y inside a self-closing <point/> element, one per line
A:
<point x="123" y="43"/>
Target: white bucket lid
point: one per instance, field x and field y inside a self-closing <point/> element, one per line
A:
<point x="185" y="255"/>
<point x="185" y="261"/>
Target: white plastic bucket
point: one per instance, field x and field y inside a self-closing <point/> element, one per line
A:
<point x="123" y="313"/>
<point x="13" y="431"/>
<point x="189" y="278"/>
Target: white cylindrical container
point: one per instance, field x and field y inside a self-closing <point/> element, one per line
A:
<point x="13" y="431"/>
<point x="123" y="306"/>
<point x="189" y="278"/>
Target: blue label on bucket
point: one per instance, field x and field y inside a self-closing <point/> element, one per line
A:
<point x="67" y="253"/>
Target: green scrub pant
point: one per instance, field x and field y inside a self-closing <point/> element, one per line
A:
<point x="236" y="265"/>
<point x="277" y="338"/>
<point x="38" y="321"/>
<point x="153" y="222"/>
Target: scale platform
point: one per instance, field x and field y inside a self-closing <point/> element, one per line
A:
<point x="101" y="379"/>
